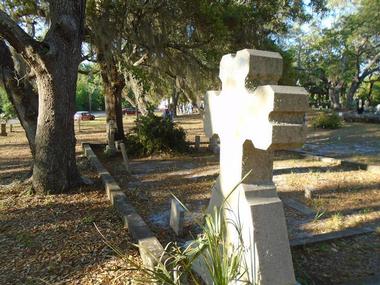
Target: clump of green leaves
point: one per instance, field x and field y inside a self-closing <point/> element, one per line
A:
<point x="154" y="134"/>
<point x="327" y="121"/>
<point x="6" y="108"/>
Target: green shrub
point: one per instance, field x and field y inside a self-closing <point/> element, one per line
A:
<point x="153" y="134"/>
<point x="327" y="121"/>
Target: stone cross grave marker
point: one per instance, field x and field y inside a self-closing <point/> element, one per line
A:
<point x="251" y="124"/>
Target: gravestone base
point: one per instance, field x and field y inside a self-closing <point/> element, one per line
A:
<point x="270" y="236"/>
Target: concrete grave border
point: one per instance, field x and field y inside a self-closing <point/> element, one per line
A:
<point x="330" y="236"/>
<point x="149" y="247"/>
<point x="374" y="168"/>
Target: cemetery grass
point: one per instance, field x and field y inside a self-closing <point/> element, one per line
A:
<point x="52" y="239"/>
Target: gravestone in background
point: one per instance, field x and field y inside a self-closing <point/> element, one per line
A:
<point x="3" y="129"/>
<point x="251" y="123"/>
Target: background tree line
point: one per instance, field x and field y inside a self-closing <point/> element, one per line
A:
<point x="342" y="62"/>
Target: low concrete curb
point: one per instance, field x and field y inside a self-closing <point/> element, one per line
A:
<point x="345" y="163"/>
<point x="294" y="204"/>
<point x="330" y="236"/>
<point x="149" y="246"/>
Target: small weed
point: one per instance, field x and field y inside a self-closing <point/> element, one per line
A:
<point x="318" y="215"/>
<point x="366" y="211"/>
<point x="25" y="239"/>
<point x="88" y="220"/>
<point x="323" y="247"/>
<point x="336" y="221"/>
<point x="318" y="204"/>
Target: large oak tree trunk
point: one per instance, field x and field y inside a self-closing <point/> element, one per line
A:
<point x="334" y="93"/>
<point x="55" y="63"/>
<point x="351" y="92"/>
<point x="20" y="93"/>
<point x="55" y="167"/>
<point x="113" y="83"/>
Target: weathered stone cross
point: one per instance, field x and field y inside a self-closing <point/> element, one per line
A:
<point x="251" y="124"/>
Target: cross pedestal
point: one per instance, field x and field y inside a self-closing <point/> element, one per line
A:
<point x="251" y="124"/>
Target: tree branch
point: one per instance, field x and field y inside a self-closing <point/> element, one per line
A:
<point x="367" y="69"/>
<point x="141" y="60"/>
<point x="16" y="36"/>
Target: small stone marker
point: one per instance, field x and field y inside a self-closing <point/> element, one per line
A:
<point x="125" y="157"/>
<point x="197" y="142"/>
<point x="177" y="217"/>
<point x="111" y="130"/>
<point x="117" y="145"/>
<point x="213" y="144"/>
<point x="3" y="130"/>
<point x="10" y="128"/>
<point x="261" y="120"/>
<point x="309" y="192"/>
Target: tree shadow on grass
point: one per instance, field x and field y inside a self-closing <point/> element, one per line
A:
<point x="312" y="169"/>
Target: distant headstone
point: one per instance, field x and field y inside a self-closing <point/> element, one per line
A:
<point x="213" y="144"/>
<point x="117" y="145"/>
<point x="3" y="131"/>
<point x="124" y="154"/>
<point x="309" y="192"/>
<point x="260" y="120"/>
<point x="366" y="107"/>
<point x="197" y="143"/>
<point x="177" y="217"/>
<point x="377" y="109"/>
<point x="360" y="106"/>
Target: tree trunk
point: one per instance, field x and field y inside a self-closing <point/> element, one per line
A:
<point x="138" y="92"/>
<point x="55" y="168"/>
<point x="113" y="83"/>
<point x="175" y="98"/>
<point x="55" y="63"/>
<point x="141" y="103"/>
<point x="20" y="93"/>
<point x="334" y="96"/>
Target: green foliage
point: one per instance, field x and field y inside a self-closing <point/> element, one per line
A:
<point x="89" y="87"/>
<point x="6" y="107"/>
<point x="371" y="91"/>
<point x="337" y="60"/>
<point x="153" y="134"/>
<point x="327" y="121"/>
